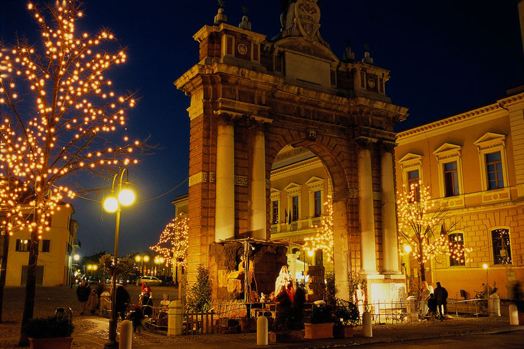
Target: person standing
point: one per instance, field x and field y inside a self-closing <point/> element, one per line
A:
<point x="441" y="295"/>
<point x="146" y="290"/>
<point x="122" y="300"/>
<point x="82" y="293"/>
<point x="93" y="301"/>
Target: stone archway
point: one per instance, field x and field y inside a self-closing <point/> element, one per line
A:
<point x="250" y="97"/>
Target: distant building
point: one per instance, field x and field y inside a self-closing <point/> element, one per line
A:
<point x="55" y="256"/>
<point x="474" y="165"/>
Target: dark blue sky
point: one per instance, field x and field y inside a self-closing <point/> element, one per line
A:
<point x="445" y="57"/>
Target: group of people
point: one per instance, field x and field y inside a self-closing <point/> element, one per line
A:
<point x="89" y="299"/>
<point x="433" y="302"/>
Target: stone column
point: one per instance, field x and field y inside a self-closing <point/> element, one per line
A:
<point x="389" y="218"/>
<point x="225" y="181"/>
<point x="366" y="211"/>
<point x="258" y="185"/>
<point x="341" y="248"/>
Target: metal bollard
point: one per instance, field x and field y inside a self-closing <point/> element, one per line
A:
<point x="175" y="315"/>
<point x="262" y="333"/>
<point x="126" y="335"/>
<point x="366" y="324"/>
<point x="513" y="315"/>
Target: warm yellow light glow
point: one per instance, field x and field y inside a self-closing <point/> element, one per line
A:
<point x="76" y="257"/>
<point x="95" y="267"/>
<point x="485" y="266"/>
<point x="126" y="197"/>
<point x="89" y="267"/>
<point x="407" y="248"/>
<point x="138" y="259"/>
<point x="146" y="258"/>
<point x="310" y="253"/>
<point x="111" y="204"/>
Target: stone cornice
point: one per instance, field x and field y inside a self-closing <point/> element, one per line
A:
<point x="463" y="117"/>
<point x="206" y="30"/>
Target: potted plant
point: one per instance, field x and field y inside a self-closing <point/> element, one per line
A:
<point x="346" y="317"/>
<point x="53" y="332"/>
<point x="321" y="322"/>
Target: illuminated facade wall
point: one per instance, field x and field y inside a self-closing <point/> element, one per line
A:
<point x="474" y="165"/>
<point x="56" y="250"/>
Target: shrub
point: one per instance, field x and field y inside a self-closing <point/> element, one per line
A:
<point x="199" y="297"/>
<point x="50" y="327"/>
<point x="322" y="313"/>
<point x="346" y="313"/>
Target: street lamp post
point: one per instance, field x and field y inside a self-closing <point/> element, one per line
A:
<point x="158" y="260"/>
<point x="125" y="197"/>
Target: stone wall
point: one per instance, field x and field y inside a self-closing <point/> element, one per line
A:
<point x="225" y="270"/>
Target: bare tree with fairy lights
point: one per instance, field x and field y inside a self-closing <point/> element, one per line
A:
<point x="59" y="115"/>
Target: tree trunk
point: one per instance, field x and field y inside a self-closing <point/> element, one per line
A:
<point x="3" y="271"/>
<point x="422" y="272"/>
<point x="30" y="287"/>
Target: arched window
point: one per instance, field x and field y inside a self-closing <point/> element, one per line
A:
<point x="456" y="242"/>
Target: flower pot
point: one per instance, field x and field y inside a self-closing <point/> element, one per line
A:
<point x="318" y="331"/>
<point x="342" y="331"/>
<point x="51" y="343"/>
<point x="285" y="336"/>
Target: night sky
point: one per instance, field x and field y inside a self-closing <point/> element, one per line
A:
<point x="445" y="57"/>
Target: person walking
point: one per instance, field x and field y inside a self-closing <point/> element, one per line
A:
<point x="82" y="293"/>
<point x="432" y="306"/>
<point x="122" y="300"/>
<point x="93" y="301"/>
<point x="441" y="295"/>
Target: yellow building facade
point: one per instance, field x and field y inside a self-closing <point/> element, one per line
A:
<point x="55" y="256"/>
<point x="474" y="165"/>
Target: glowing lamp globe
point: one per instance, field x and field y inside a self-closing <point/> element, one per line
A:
<point x="126" y="197"/>
<point x="76" y="257"/>
<point x="111" y="204"/>
<point x="146" y="258"/>
<point x="485" y="266"/>
<point x="137" y="258"/>
<point x="407" y="248"/>
<point x="310" y="253"/>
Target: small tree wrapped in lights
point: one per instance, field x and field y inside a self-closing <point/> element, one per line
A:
<point x="323" y="240"/>
<point x="173" y="241"/>
<point x="422" y="228"/>
<point x="58" y="111"/>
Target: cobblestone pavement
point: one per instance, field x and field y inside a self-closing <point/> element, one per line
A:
<point x="92" y="331"/>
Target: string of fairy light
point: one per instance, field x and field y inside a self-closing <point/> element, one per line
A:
<point x="324" y="238"/>
<point x="422" y="228"/>
<point x="69" y="110"/>
<point x="173" y="242"/>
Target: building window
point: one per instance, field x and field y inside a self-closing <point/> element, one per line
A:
<point x="45" y="245"/>
<point x="317" y="196"/>
<point x="451" y="180"/>
<point x="274" y="212"/>
<point x="22" y="245"/>
<point x="294" y="209"/>
<point x="494" y="171"/>
<point x="501" y="246"/>
<point x="456" y="243"/>
<point x="413" y="183"/>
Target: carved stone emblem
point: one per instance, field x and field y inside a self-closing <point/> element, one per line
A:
<point x="312" y="135"/>
<point x="308" y="18"/>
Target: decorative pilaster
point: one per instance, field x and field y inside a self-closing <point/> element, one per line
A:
<point x="389" y="218"/>
<point x="258" y="185"/>
<point x="366" y="211"/>
<point x="225" y="180"/>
